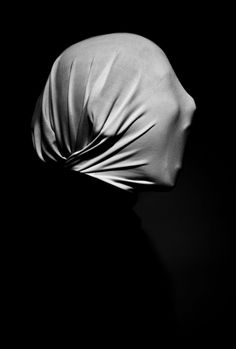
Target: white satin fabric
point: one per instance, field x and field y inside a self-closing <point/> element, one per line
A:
<point x="113" y="108"/>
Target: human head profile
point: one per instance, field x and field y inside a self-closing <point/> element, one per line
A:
<point x="113" y="108"/>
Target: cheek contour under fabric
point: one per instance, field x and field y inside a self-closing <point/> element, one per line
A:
<point x="113" y="108"/>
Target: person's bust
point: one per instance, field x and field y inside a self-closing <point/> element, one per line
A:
<point x="111" y="120"/>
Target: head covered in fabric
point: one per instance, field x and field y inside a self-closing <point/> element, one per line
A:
<point x="113" y="108"/>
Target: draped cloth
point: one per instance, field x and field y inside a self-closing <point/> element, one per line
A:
<point x="113" y="108"/>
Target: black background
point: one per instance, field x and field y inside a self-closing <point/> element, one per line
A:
<point x="190" y="225"/>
